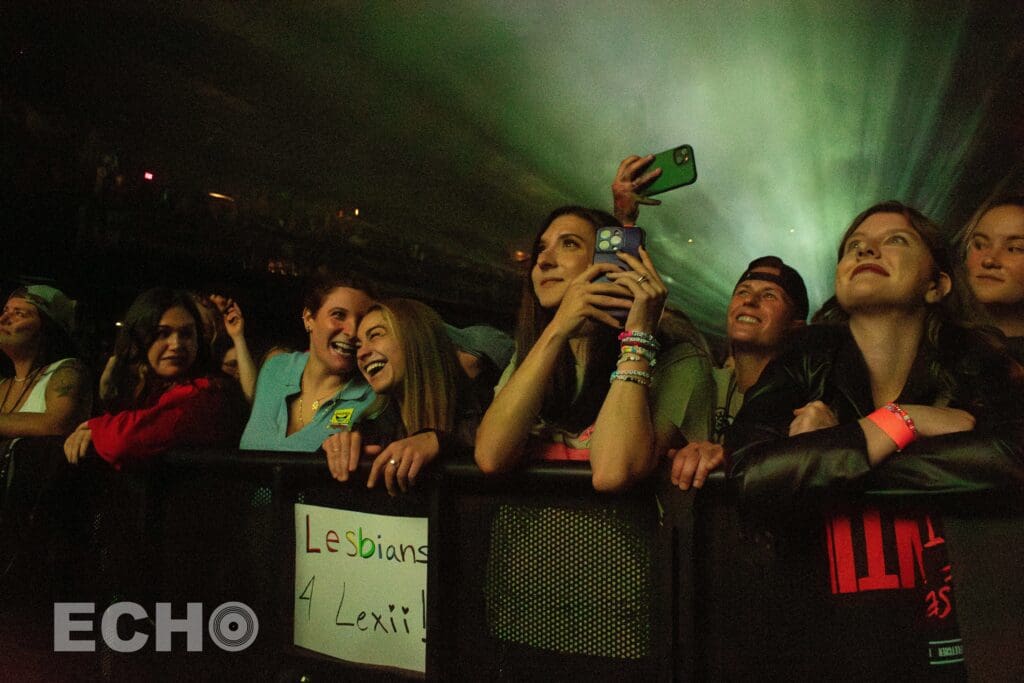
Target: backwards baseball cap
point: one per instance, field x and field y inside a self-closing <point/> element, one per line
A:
<point x="788" y="279"/>
<point x="483" y="341"/>
<point x="51" y="302"/>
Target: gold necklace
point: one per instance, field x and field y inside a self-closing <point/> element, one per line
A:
<point x="315" y="405"/>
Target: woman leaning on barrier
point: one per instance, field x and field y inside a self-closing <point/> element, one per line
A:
<point x="891" y="396"/>
<point x="556" y="401"/>
<point x="895" y="392"/>
<point x="424" y="407"/>
<point x="159" y="393"/>
<point x="585" y="387"/>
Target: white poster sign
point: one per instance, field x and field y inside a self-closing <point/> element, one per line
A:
<point x="361" y="586"/>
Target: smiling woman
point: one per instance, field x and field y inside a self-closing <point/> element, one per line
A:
<point x="994" y="259"/>
<point x="424" y="408"/>
<point x="301" y="398"/>
<point x="892" y="346"/>
<point x="892" y="395"/>
<point x="581" y="387"/>
<point x="156" y="392"/>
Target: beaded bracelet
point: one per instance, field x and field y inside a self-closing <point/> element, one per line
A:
<point x="645" y="336"/>
<point x="635" y="380"/>
<point x="639" y="350"/>
<point x="896" y="424"/>
<point x="636" y="339"/>
<point x="634" y="353"/>
<point x="638" y="345"/>
<point x="895" y="408"/>
<point x="637" y="376"/>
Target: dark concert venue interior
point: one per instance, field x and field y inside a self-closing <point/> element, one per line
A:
<point x="239" y="146"/>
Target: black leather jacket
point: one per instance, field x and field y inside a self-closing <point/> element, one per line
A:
<point x="824" y="363"/>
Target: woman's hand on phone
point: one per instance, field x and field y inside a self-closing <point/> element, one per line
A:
<point x="587" y="300"/>
<point x="629" y="181"/>
<point x="648" y="290"/>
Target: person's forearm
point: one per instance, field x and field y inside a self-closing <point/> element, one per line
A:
<point x="879" y="445"/>
<point x="247" y="370"/>
<point x="506" y="424"/>
<point x="37" y="424"/>
<point x="622" y="446"/>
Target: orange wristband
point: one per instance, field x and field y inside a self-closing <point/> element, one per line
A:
<point x="896" y="424"/>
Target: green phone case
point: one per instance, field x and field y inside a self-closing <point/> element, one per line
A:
<point x="678" y="168"/>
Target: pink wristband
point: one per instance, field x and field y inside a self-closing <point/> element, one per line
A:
<point x="896" y="424"/>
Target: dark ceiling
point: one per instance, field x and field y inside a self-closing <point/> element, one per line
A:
<point x="454" y="127"/>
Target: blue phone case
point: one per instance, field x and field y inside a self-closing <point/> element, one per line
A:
<point x="613" y="239"/>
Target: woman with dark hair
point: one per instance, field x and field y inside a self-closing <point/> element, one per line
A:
<point x="47" y="393"/>
<point x="994" y="260"/>
<point x="891" y="395"/>
<point x="555" y="401"/>
<point x="302" y="398"/>
<point x="158" y="394"/>
<point x="406" y="356"/>
<point x="583" y="386"/>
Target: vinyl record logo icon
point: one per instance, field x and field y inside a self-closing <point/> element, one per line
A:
<point x="233" y="626"/>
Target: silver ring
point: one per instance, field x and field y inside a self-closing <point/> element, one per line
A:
<point x="392" y="462"/>
<point x="641" y="279"/>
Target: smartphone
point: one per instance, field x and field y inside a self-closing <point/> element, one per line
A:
<point x="613" y="239"/>
<point x="678" y="168"/>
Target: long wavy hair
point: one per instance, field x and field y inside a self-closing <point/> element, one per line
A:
<point x="428" y="394"/>
<point x="132" y="381"/>
<point x="945" y="330"/>
<point x="563" y="405"/>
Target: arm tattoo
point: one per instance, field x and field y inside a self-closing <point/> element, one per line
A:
<point x="68" y="380"/>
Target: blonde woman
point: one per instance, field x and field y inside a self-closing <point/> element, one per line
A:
<point x="408" y="360"/>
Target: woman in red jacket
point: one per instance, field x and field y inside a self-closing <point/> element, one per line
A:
<point x="158" y="395"/>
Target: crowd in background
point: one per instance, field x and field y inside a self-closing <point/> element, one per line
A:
<point x="909" y="378"/>
<point x="601" y="370"/>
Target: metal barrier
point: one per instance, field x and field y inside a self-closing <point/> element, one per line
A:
<point x="531" y="575"/>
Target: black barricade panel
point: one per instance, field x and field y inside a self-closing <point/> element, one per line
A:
<point x="869" y="589"/>
<point x="531" y="577"/>
<point x="549" y="590"/>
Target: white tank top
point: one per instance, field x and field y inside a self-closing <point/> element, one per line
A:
<point x="36" y="401"/>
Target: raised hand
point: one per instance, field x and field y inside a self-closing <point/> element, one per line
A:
<point x="234" y="321"/>
<point x="629" y="180"/>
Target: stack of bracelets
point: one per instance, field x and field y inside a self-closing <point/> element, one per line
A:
<point x="896" y="424"/>
<point x="636" y="346"/>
